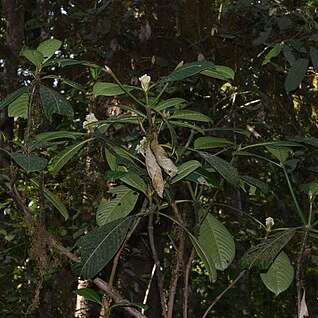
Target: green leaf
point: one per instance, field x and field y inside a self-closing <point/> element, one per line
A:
<point x="49" y="47"/>
<point x="19" y="107"/>
<point x="89" y="294"/>
<point x="311" y="189"/>
<point x="185" y="169"/>
<point x="168" y="103"/>
<point x="13" y="96"/>
<point x="296" y="74"/>
<point x="28" y="162"/>
<point x="210" y="143"/>
<point x="204" y="177"/>
<point x="280" y="153"/>
<point x="60" y="160"/>
<point x="279" y="275"/>
<point x="188" y="70"/>
<point x="135" y="181"/>
<point x="263" y="254"/>
<point x="225" y="169"/>
<point x="274" y="52"/>
<point x="111" y="159"/>
<point x="115" y="175"/>
<point x="220" y="72"/>
<point x="54" y="199"/>
<point x="123" y="201"/>
<point x="256" y="183"/>
<point x="190" y="115"/>
<point x="205" y="258"/>
<point x="217" y="241"/>
<point x="54" y="102"/>
<point x="110" y="89"/>
<point x="53" y="135"/>
<point x="34" y="56"/>
<point x="314" y="57"/>
<point x="99" y="246"/>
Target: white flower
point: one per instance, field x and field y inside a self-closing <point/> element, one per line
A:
<point x="269" y="222"/>
<point x="145" y="82"/>
<point x="89" y="121"/>
<point x="142" y="146"/>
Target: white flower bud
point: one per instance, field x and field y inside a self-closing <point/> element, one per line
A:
<point x="142" y="146"/>
<point x="145" y="82"/>
<point x="269" y="222"/>
<point x="89" y="121"/>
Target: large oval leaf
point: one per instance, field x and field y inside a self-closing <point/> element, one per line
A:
<point x="99" y="246"/>
<point x="217" y="241"/>
<point x="210" y="143"/>
<point x="13" y="96"/>
<point x="185" y="169"/>
<point x="28" y="162"/>
<point x="49" y="47"/>
<point x="279" y="275"/>
<point x="120" y="206"/>
<point x="296" y="74"/>
<point x="19" y="107"/>
<point x="135" y="181"/>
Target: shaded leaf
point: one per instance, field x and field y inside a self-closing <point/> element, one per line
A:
<point x="314" y="57"/>
<point x="185" y="169"/>
<point x="118" y="207"/>
<point x="110" y="89"/>
<point x="225" y="169"/>
<point x="135" y="181"/>
<point x="13" y="96"/>
<point x="28" y="162"/>
<point x="296" y="74"/>
<point x="281" y="153"/>
<point x="210" y="143"/>
<point x="49" y="47"/>
<point x="217" y="242"/>
<point x="263" y="254"/>
<point x="311" y="189"/>
<point x="89" y="294"/>
<point x="256" y="183"/>
<point x="34" y="56"/>
<point x="190" y="115"/>
<point x="204" y="177"/>
<point x="19" y="107"/>
<point x="188" y="70"/>
<point x="279" y="275"/>
<point x="220" y="72"/>
<point x="99" y="246"/>
<point x="168" y="103"/>
<point x="53" y="135"/>
<point x="60" y="160"/>
<point x="54" y="102"/>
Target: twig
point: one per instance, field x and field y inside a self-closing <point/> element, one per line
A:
<point x="157" y="263"/>
<point x="179" y="262"/>
<point x="148" y="287"/>
<point x="223" y="292"/>
<point x="186" y="288"/>
<point x="117" y="297"/>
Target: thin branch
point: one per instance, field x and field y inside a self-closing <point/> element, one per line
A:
<point x="117" y="298"/>
<point x="186" y="288"/>
<point x="223" y="293"/>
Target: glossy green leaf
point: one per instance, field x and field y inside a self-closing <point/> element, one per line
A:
<point x="99" y="246"/>
<point x="54" y="102"/>
<point x="281" y="153"/>
<point x="34" y="56"/>
<point x="13" y="96"/>
<point x="54" y="135"/>
<point x="168" y="103"/>
<point x="188" y="70"/>
<point x="185" y="169"/>
<point x="54" y="200"/>
<point x="190" y="115"/>
<point x="274" y="52"/>
<point x="279" y="275"/>
<point x="296" y="74"/>
<point x="134" y="180"/>
<point x="314" y="57"/>
<point x="263" y="254"/>
<point x="217" y="242"/>
<point x="224" y="168"/>
<point x="89" y="294"/>
<point x="120" y="205"/>
<point x="28" y="162"/>
<point x="61" y="159"/>
<point x="210" y="143"/>
<point x="220" y="72"/>
<point x="49" y="47"/>
<point x="205" y="258"/>
<point x="110" y="89"/>
<point x="19" y="107"/>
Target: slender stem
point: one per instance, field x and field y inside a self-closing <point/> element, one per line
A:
<point x="186" y="288"/>
<point x="310" y="212"/>
<point x="294" y="197"/>
<point x="148" y="287"/>
<point x="223" y="293"/>
<point x="160" y="94"/>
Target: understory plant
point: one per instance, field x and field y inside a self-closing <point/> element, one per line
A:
<point x="152" y="163"/>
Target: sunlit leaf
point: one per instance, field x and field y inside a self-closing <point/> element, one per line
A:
<point x="274" y="52"/>
<point x="89" y="294"/>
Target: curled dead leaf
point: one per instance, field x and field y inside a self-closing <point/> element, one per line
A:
<point x="154" y="171"/>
